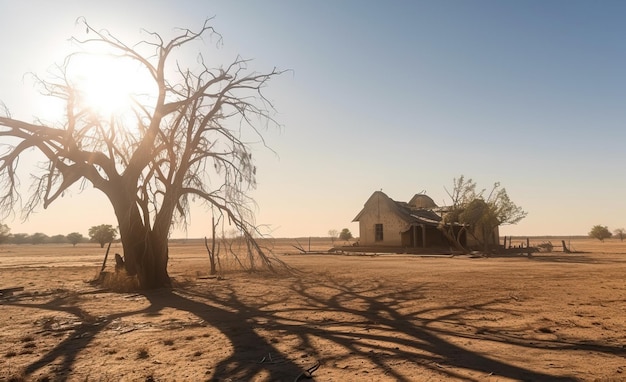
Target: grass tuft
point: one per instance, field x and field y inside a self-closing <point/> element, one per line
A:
<point x="118" y="282"/>
<point x="142" y="353"/>
<point x="13" y="377"/>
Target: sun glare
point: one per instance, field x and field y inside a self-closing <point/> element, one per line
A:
<point x="107" y="85"/>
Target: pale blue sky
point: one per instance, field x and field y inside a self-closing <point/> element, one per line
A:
<point x="401" y="96"/>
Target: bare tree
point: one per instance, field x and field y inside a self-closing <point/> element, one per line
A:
<point x="333" y="234"/>
<point x="191" y="141"/>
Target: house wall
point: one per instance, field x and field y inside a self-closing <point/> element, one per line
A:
<point x="473" y="243"/>
<point x="380" y="210"/>
<point x="425" y="236"/>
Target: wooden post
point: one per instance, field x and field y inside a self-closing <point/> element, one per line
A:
<point x="106" y="255"/>
<point x="565" y="249"/>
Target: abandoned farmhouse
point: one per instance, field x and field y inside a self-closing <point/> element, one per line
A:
<point x="385" y="222"/>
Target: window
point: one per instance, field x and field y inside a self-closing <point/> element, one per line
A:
<point x="378" y="232"/>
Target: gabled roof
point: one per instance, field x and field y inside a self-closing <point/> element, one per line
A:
<point x="422" y="201"/>
<point x="417" y="211"/>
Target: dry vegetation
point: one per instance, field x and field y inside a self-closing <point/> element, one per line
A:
<point x="549" y="317"/>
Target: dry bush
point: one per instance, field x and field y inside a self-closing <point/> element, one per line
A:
<point x="545" y="247"/>
<point x="187" y="273"/>
<point x="142" y="353"/>
<point x="10" y="375"/>
<point x="118" y="282"/>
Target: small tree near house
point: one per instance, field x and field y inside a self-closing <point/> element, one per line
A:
<point x="478" y="213"/>
<point x="345" y="234"/>
<point x="600" y="232"/>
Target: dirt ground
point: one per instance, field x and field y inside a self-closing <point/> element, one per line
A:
<point x="550" y="317"/>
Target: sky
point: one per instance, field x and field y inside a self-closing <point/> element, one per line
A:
<point x="398" y="96"/>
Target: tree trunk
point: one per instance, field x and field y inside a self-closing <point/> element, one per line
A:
<point x="212" y="251"/>
<point x="146" y="257"/>
<point x="451" y="237"/>
<point x="145" y="250"/>
<point x="213" y="269"/>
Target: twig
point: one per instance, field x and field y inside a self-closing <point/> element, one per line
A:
<point x="308" y="373"/>
<point x="299" y="247"/>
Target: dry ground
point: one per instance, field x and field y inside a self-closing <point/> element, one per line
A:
<point x="363" y="318"/>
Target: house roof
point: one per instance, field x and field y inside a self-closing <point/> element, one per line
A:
<point x="417" y="215"/>
<point x="418" y="211"/>
<point x="422" y="201"/>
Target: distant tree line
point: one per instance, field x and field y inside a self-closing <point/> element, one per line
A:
<point x="101" y="234"/>
<point x="41" y="238"/>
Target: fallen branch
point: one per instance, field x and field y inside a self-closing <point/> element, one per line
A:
<point x="299" y="247"/>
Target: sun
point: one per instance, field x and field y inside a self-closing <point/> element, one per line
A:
<point x="107" y="93"/>
<point x="107" y="85"/>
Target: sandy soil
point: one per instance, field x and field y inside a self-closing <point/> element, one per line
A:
<point x="552" y="317"/>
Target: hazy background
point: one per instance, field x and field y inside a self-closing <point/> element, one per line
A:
<point x="401" y="96"/>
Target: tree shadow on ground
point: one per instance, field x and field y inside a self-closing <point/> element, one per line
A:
<point x="235" y="320"/>
<point x="64" y="354"/>
<point x="333" y="321"/>
<point x="372" y="323"/>
<point x="430" y="336"/>
<point x="231" y="321"/>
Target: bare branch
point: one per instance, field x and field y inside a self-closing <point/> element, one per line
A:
<point x="191" y="140"/>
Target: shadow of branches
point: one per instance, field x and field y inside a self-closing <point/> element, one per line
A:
<point x="334" y="321"/>
<point x="86" y="327"/>
<point x="337" y="320"/>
